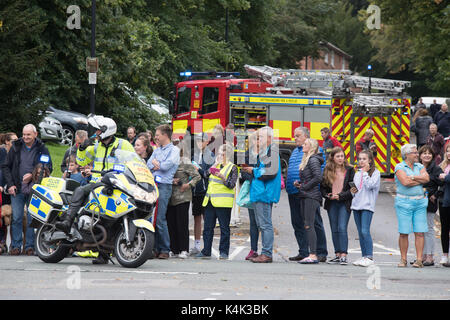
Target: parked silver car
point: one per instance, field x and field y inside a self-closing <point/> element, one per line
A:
<point x="50" y="129"/>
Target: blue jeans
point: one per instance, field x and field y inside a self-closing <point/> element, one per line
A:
<point x="339" y="217"/>
<point x="297" y="220"/>
<point x="209" y="222"/>
<point x="18" y="203"/>
<point x="254" y="232"/>
<point x="162" y="239"/>
<point x="263" y="215"/>
<point x="363" y="218"/>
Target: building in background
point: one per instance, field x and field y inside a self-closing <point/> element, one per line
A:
<point x="331" y="58"/>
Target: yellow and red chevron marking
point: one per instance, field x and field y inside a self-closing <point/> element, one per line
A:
<point x="399" y="132"/>
<point x="338" y="129"/>
<point x="379" y="127"/>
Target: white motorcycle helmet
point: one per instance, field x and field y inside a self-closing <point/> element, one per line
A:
<point x="107" y="126"/>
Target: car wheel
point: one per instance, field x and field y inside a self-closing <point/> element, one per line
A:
<point x="67" y="136"/>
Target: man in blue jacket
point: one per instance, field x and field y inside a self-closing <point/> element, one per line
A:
<point x="297" y="218"/>
<point x="265" y="190"/>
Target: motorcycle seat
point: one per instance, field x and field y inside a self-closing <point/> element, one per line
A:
<point x="71" y="185"/>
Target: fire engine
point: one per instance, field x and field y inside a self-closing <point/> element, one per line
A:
<point x="285" y="99"/>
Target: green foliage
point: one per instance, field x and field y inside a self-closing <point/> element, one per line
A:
<point x="347" y="32"/>
<point x="416" y="33"/>
<point x="23" y="58"/>
<point x="143" y="45"/>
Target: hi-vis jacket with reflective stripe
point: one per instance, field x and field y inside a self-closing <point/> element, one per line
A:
<point x="100" y="154"/>
<point x="218" y="193"/>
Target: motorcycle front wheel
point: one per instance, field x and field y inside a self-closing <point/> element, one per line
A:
<point x="137" y="252"/>
<point x="49" y="252"/>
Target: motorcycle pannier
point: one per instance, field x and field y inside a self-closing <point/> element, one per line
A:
<point x="42" y="201"/>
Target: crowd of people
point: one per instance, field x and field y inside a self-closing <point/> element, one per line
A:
<point x="208" y="178"/>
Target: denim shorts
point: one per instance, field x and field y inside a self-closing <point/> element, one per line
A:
<point x="411" y="215"/>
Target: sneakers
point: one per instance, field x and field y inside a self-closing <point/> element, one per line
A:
<point x="223" y="256"/>
<point x="335" y="260"/>
<point x="444" y="259"/>
<point x="183" y="255"/>
<point x="358" y="262"/>
<point x="194" y="251"/>
<point x="252" y="254"/>
<point x="308" y="260"/>
<point x="343" y="261"/>
<point x="202" y="256"/>
<point x="365" y="262"/>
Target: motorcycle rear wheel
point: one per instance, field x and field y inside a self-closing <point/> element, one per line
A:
<point x="138" y="252"/>
<point x="49" y="253"/>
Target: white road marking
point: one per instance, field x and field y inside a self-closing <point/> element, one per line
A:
<point x="117" y="271"/>
<point x="386" y="248"/>
<point x="236" y="252"/>
<point x="233" y="255"/>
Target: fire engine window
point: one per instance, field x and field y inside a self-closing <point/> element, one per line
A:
<point x="210" y="100"/>
<point x="184" y="100"/>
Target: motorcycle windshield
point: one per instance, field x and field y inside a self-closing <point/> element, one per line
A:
<point x="136" y="167"/>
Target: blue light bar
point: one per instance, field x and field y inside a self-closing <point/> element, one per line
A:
<point x="209" y="73"/>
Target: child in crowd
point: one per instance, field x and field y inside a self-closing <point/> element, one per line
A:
<point x="74" y="171"/>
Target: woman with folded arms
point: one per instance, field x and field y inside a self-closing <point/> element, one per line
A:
<point x="411" y="203"/>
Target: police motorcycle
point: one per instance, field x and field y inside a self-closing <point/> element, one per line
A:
<point x="114" y="219"/>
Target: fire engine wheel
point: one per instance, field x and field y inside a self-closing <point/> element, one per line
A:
<point x="284" y="167"/>
<point x="137" y="252"/>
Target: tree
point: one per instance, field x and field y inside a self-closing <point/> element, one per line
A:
<point x="347" y="32"/>
<point x="23" y="58"/>
<point x="415" y="35"/>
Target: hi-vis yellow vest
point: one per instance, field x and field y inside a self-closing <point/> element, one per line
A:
<point x="220" y="195"/>
<point x="100" y="155"/>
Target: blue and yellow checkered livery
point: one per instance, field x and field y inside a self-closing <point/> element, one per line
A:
<point x="113" y="206"/>
<point x="42" y="201"/>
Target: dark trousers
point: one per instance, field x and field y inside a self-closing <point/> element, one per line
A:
<point x="209" y="222"/>
<point x="178" y="224"/>
<point x="297" y="220"/>
<point x="310" y="207"/>
<point x="444" y="216"/>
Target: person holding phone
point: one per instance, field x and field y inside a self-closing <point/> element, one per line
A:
<point x="365" y="188"/>
<point x="218" y="202"/>
<point x="335" y="189"/>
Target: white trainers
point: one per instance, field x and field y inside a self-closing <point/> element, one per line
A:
<point x="194" y="251"/>
<point x="365" y="262"/>
<point x="444" y="259"/>
<point x="358" y="262"/>
<point x="183" y="255"/>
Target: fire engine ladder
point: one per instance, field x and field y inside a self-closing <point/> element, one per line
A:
<point x="380" y="105"/>
<point x="322" y="79"/>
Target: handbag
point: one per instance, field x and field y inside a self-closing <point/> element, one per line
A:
<point x="243" y="198"/>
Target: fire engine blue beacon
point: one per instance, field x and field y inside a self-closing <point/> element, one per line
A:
<point x="186" y="74"/>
